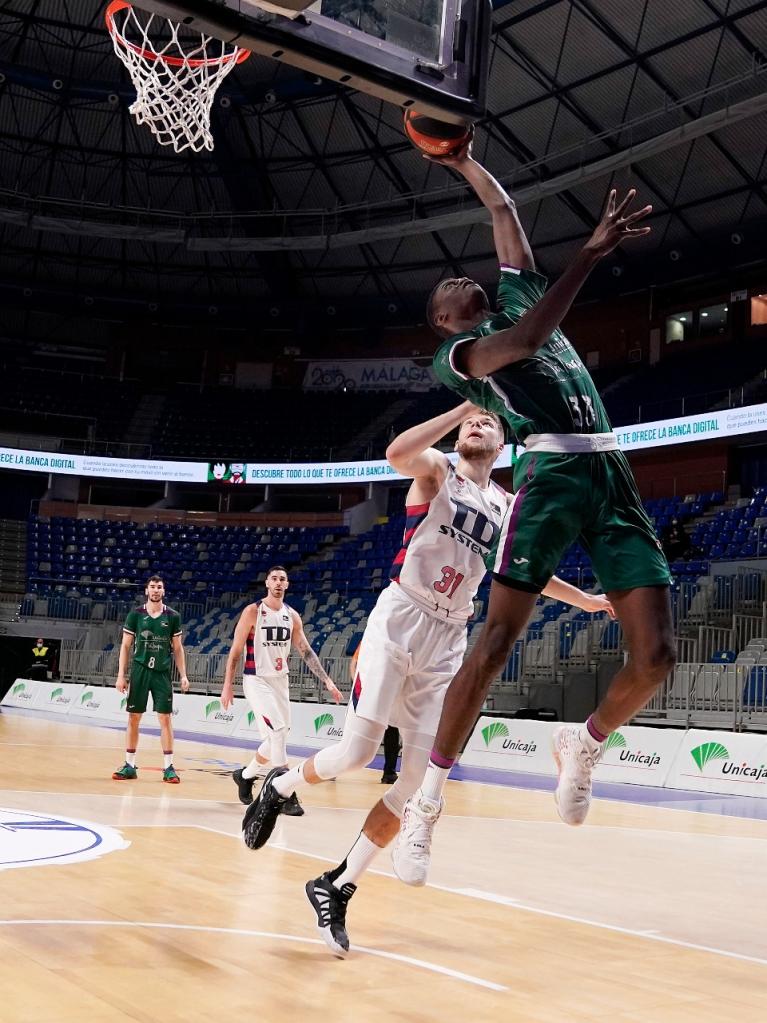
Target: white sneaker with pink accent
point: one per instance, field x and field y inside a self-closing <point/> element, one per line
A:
<point x="411" y="853"/>
<point x="575" y="755"/>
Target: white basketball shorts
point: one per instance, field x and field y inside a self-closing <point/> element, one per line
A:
<point x="407" y="660"/>
<point x="269" y="699"/>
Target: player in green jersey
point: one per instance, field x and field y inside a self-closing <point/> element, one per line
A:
<point x="156" y="631"/>
<point x="572" y="483"/>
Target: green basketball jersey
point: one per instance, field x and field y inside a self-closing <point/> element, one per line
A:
<point x="153" y="636"/>
<point x="549" y="392"/>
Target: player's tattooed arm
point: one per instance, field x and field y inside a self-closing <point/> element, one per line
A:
<point x="311" y="660"/>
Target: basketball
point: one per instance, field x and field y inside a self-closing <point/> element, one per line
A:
<point x="435" y="137"/>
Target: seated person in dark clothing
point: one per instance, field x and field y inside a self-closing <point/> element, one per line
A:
<point x="676" y="542"/>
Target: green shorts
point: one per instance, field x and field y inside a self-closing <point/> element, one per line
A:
<point x="144" y="681"/>
<point x="591" y="498"/>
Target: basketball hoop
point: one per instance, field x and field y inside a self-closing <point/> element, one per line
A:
<point x="175" y="78"/>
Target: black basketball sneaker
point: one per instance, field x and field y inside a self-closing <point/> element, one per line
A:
<point x="244" y="786"/>
<point x="261" y="816"/>
<point x="330" y="905"/>
<point x="292" y="807"/>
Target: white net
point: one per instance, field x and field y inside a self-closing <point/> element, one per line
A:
<point x="175" y="75"/>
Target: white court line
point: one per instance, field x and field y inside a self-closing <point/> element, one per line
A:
<point x="407" y="960"/>
<point x="504" y="900"/>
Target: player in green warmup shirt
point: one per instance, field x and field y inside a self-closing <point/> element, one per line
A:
<point x="572" y="483"/>
<point x="156" y="631"/>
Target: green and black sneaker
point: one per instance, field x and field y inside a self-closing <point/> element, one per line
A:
<point x="169" y="775"/>
<point x="126" y="773"/>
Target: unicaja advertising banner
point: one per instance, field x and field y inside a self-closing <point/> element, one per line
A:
<point x="731" y="762"/>
<point x="22" y="693"/>
<point x="640" y="756"/>
<point x="104" y="703"/>
<point x="247" y="723"/>
<point x="316" y="724"/>
<point x="202" y="714"/>
<point x="58" y="697"/>
<point x="509" y="744"/>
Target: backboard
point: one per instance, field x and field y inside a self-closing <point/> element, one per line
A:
<point x="429" y="54"/>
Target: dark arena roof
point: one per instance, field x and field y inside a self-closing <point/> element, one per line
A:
<point x="313" y="194"/>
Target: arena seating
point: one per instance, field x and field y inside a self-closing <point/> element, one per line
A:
<point x="89" y="561"/>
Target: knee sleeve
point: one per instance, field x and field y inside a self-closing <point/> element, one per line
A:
<point x="415" y="758"/>
<point x="357" y="748"/>
<point x="278" y="741"/>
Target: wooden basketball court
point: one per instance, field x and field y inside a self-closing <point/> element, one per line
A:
<point x="646" y="914"/>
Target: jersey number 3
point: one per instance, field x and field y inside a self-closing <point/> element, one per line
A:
<point x="449" y="582"/>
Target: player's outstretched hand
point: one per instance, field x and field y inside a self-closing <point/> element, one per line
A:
<point x="227" y="695"/>
<point x="596" y="602"/>
<point x="455" y="160"/>
<point x="333" y="689"/>
<point x="617" y="224"/>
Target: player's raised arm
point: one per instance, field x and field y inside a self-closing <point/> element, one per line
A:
<point x="486" y="355"/>
<point x="511" y="242"/>
<point x="245" y="623"/>
<point x="412" y="454"/>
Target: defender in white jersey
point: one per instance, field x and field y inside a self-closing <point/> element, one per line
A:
<point x="267" y="630"/>
<point x="414" y="640"/>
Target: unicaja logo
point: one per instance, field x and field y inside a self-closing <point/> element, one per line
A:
<point x="213" y="709"/>
<point x="709" y="751"/>
<point x="123" y="703"/>
<point x="494" y="731"/>
<point x="56" y="694"/>
<point x="251" y="718"/>
<point x="327" y="721"/>
<point x="615" y="741"/>
<point x="18" y="688"/>
<point x="86" y="696"/>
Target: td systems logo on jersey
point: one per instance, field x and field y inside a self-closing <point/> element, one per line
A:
<point x="471" y="528"/>
<point x="274" y="635"/>
<point x="36" y="840"/>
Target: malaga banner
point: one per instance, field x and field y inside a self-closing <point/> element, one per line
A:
<point x="370" y="375"/>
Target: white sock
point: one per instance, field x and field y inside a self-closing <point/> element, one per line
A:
<point x="287" y="784"/>
<point x="130" y="757"/>
<point x="167" y="759"/>
<point x="254" y="768"/>
<point x="593" y="745"/>
<point x="357" y="861"/>
<point x="434" y="782"/>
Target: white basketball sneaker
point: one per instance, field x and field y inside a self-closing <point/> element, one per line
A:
<point x="411" y="853"/>
<point x="575" y="758"/>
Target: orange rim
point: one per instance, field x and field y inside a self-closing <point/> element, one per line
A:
<point x="236" y="57"/>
